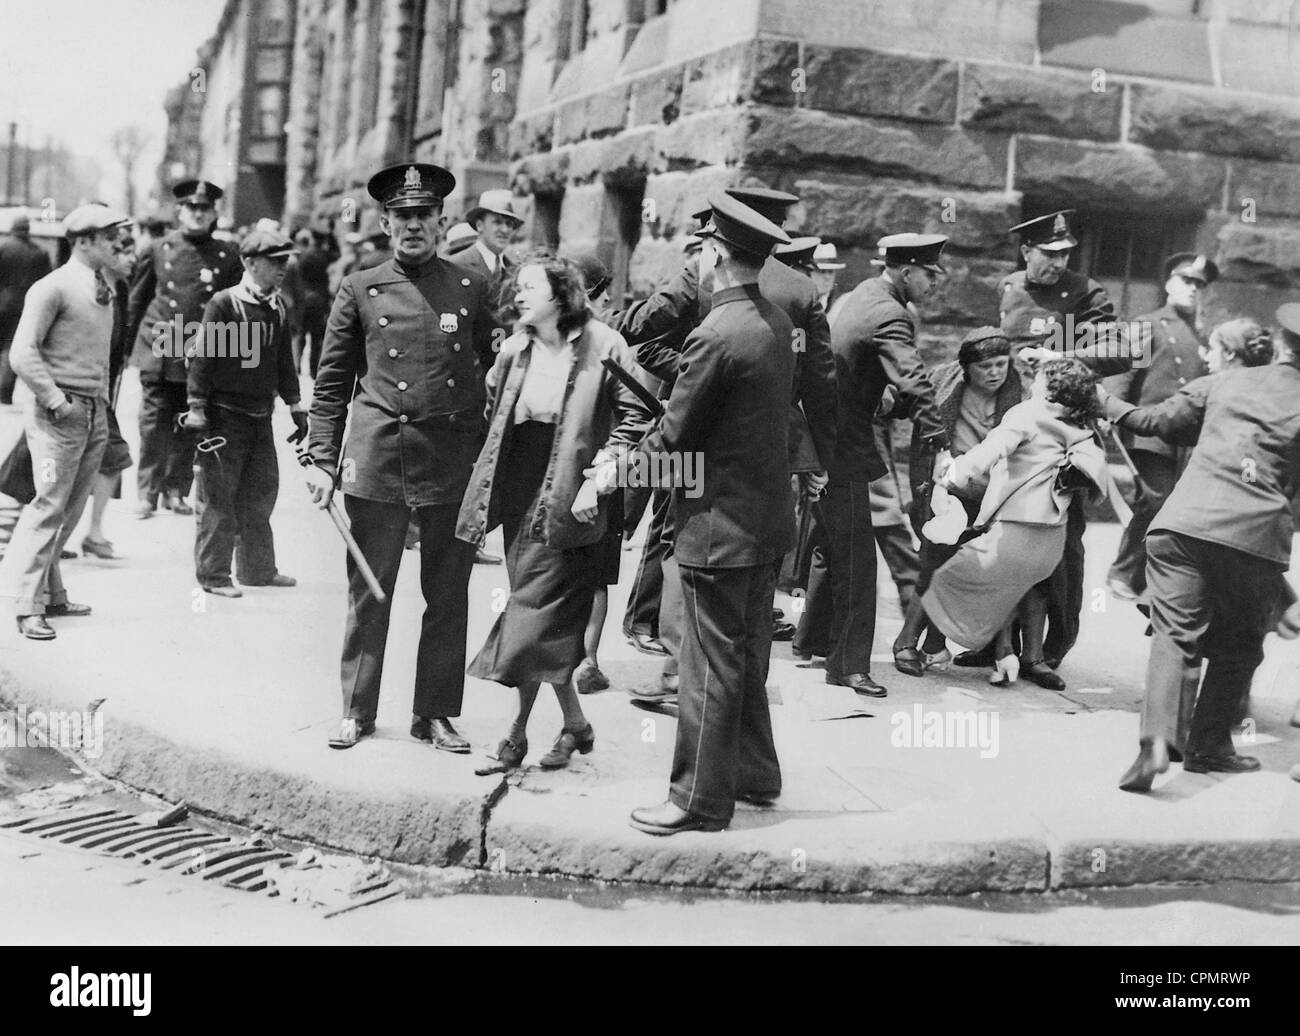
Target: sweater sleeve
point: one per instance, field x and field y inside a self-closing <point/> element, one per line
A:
<point x="40" y="309"/>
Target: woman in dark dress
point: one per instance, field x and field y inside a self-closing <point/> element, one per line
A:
<point x="555" y="410"/>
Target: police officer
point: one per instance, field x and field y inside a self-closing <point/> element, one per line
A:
<point x="407" y="345"/>
<point x="1217" y="553"/>
<point x="874" y="341"/>
<point x="1048" y="306"/>
<point x="1175" y="346"/>
<point x="169" y="289"/>
<point x="22" y="264"/>
<point x="730" y="403"/>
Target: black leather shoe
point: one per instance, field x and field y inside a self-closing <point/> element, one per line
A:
<point x="982" y="659"/>
<point x="777" y="615"/>
<point x="350" y="732"/>
<point x="67" y="555"/>
<point x="224" y="590"/>
<point x="175" y="503"/>
<point x="444" y="736"/>
<point x="566" y="744"/>
<point x="34" y="627"/>
<point x="783" y="630"/>
<point x="279" y="579"/>
<point x="1039" y="673"/>
<point x="646" y="644"/>
<point x="482" y="557"/>
<point x="669" y="819"/>
<point x="1220" y="763"/>
<point x="860" y="682"/>
<point x="909" y="662"/>
<point x="67" y="609"/>
<point x="1153" y="758"/>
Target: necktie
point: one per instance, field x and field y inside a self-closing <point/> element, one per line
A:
<point x="103" y="293"/>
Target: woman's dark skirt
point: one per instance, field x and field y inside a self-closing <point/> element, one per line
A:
<point x="539" y="636"/>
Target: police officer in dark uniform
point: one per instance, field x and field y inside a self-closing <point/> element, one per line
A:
<point x="1217" y="553"/>
<point x="1048" y="306"/>
<point x="1174" y="347"/>
<point x="182" y="273"/>
<point x="874" y="341"/>
<point x="407" y="345"/>
<point x="730" y="403"/>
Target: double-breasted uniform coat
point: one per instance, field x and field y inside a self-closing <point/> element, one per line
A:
<point x="1173" y="349"/>
<point x="175" y="279"/>
<point x="407" y="349"/>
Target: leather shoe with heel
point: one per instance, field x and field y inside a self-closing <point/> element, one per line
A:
<point x="438" y="732"/>
<point x="1153" y="758"/>
<point x="670" y="819"/>
<point x="1220" y="763"/>
<point x="1040" y="673"/>
<point x="861" y="683"/>
<point x="566" y="744"/>
<point x="67" y="610"/>
<point x="350" y="732"/>
<point x="34" y="627"/>
<point x="510" y="753"/>
<point x="908" y="661"/>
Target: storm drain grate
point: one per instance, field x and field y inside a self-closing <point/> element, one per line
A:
<point x="249" y="865"/>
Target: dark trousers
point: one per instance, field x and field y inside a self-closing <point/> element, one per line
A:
<point x="724" y="731"/>
<point x="1064" y="587"/>
<point x="1158" y="474"/>
<point x="309" y="338"/>
<point x="900" y="556"/>
<point x="166" y="456"/>
<point x="814" y="632"/>
<point x="642" y="614"/>
<point x="237" y="488"/>
<point x="1210" y="601"/>
<point x="445" y="566"/>
<point x="852" y="568"/>
<point x="8" y="379"/>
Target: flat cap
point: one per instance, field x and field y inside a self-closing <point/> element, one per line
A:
<point x="411" y="185"/>
<point x="87" y="219"/>
<point x="741" y="226"/>
<point x="197" y="191"/>
<point x="1191" y="267"/>
<point x="266" y="244"/>
<point x="1050" y="232"/>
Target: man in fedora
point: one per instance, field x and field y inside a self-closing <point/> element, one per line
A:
<point x="494" y="221"/>
<point x="407" y="347"/>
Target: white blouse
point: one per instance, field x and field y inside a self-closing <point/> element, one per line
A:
<point x="541" y="397"/>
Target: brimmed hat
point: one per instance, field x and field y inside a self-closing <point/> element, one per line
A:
<point x="1050" y="232"/>
<point x="799" y="252"/>
<point x="500" y="201"/>
<point x="459" y="237"/>
<point x="1192" y="267"/>
<point x="825" y="257"/>
<point x="89" y="219"/>
<point x="200" y="191"/>
<point x="921" y="250"/>
<point x="771" y="205"/>
<point x="742" y="227"/>
<point x="411" y="185"/>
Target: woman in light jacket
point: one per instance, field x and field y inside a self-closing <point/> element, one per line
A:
<point x="554" y="409"/>
<point x="973" y="596"/>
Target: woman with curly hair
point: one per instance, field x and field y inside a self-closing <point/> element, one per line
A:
<point x="555" y="412"/>
<point x="1050" y="451"/>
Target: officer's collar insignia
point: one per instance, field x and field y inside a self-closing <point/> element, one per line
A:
<point x="412" y="179"/>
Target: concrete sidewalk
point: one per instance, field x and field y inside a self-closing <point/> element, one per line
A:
<point x="227" y="705"/>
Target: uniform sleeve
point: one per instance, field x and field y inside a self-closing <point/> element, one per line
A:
<point x="632" y="418"/>
<point x="815" y="389"/>
<point x="895" y="344"/>
<point x="40" y="308"/>
<point x="656" y="328"/>
<point x="342" y="356"/>
<point x="1110" y="338"/>
<point x="144" y="282"/>
<point x="999" y="443"/>
<point x="1177" y="420"/>
<point x="198" y="377"/>
<point x="696" y="397"/>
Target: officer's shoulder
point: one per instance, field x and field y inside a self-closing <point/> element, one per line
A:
<point x="464" y="274"/>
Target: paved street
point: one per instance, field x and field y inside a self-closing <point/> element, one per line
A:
<point x="227" y="705"/>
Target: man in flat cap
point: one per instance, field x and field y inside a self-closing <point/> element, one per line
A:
<point x="169" y="290"/>
<point x="1174" y="347"/>
<point x="22" y="264"/>
<point x="657" y="328"/>
<point x="874" y="341"/>
<point x="730" y="404"/>
<point x="407" y="347"/>
<point x="61" y="352"/>
<point x="240" y="363"/>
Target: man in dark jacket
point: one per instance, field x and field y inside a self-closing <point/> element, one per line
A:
<point x="1216" y="554"/>
<point x="238" y="365"/>
<point x="1173" y="346"/>
<point x="874" y="341"/>
<point x="22" y="264"/>
<point x="730" y="404"/>
<point x="169" y="290"/>
<point x="407" y="347"/>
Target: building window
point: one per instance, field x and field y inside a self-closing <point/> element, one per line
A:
<point x="1126" y="252"/>
<point x="270" y="111"/>
<point x="571" y="32"/>
<point x="546" y="220"/>
<point x="368" y="110"/>
<point x="277" y="22"/>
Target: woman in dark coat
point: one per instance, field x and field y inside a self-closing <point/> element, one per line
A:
<point x="555" y="410"/>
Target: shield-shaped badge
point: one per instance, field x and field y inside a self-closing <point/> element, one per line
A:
<point x="447" y="323"/>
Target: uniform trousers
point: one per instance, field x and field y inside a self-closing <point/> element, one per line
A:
<point x="724" y="731"/>
<point x="166" y="456"/>
<point x="236" y="492"/>
<point x="1158" y="474"/>
<point x="65" y="461"/>
<point x="445" y="566"/>
<point x="643" y="601"/>
<point x="1064" y="587"/>
<point x="851" y="563"/>
<point x="1207" y="601"/>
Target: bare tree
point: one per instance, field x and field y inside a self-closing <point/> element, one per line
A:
<point x="128" y="144"/>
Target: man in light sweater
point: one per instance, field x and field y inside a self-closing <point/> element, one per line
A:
<point x="61" y="352"/>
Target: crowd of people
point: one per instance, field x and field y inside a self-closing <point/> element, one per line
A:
<point x="460" y="384"/>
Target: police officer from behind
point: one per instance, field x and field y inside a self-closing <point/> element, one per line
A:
<point x="1176" y="351"/>
<point x="874" y="341"/>
<point x="174" y="282"/>
<point x="407" y="345"/>
<point x="730" y="403"/>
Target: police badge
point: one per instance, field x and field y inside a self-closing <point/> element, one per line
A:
<point x="448" y="323"/>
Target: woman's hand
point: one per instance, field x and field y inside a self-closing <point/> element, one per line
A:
<point x="586" y="504"/>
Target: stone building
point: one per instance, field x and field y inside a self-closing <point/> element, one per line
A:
<point x="1169" y="124"/>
